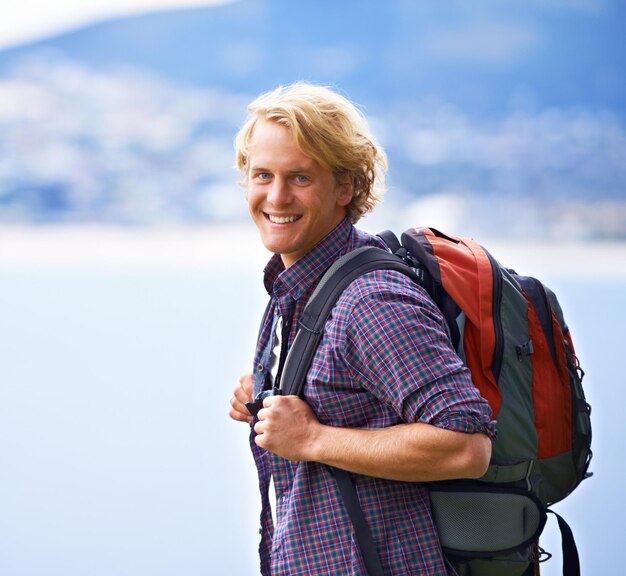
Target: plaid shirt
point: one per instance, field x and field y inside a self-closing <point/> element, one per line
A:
<point x="368" y="372"/>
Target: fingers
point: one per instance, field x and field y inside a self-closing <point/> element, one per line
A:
<point x="238" y="411"/>
<point x="285" y="426"/>
<point x="264" y="420"/>
<point x="243" y="389"/>
<point x="247" y="384"/>
<point x="241" y="394"/>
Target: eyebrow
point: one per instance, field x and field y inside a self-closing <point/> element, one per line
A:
<point x="298" y="170"/>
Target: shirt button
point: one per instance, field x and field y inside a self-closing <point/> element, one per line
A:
<point x="276" y="312"/>
<point x="259" y="368"/>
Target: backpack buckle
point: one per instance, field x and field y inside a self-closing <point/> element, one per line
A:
<point x="524" y="350"/>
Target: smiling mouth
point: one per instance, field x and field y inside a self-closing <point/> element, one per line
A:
<point x="281" y="219"/>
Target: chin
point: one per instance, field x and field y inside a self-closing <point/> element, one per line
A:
<point x="277" y="247"/>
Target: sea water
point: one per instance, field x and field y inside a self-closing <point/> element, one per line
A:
<point x="117" y="457"/>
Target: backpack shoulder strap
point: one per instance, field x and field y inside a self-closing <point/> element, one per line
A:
<point x="571" y="561"/>
<point x="389" y="238"/>
<point x="362" y="532"/>
<point x="311" y="327"/>
<point x="336" y="279"/>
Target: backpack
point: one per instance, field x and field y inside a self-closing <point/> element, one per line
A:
<point x="510" y="332"/>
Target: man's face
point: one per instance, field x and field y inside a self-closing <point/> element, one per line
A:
<point x="293" y="200"/>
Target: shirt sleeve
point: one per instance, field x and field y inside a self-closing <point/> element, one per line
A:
<point x="397" y="347"/>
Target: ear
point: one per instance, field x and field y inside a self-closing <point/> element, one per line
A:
<point x="345" y="188"/>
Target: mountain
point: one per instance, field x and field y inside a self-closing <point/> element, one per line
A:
<point x="377" y="51"/>
<point x="483" y="108"/>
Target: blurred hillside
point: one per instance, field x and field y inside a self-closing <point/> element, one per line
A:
<point x="506" y="120"/>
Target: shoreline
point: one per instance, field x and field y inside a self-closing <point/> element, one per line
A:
<point x="118" y="247"/>
<point x="237" y="247"/>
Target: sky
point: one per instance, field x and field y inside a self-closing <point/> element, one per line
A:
<point x="29" y="20"/>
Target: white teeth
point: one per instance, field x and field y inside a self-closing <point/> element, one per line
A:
<point x="282" y="219"/>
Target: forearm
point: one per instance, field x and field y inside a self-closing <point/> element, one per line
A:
<point x="411" y="452"/>
<point x="407" y="452"/>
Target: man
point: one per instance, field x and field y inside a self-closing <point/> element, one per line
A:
<point x="386" y="397"/>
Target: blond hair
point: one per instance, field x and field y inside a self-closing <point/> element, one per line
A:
<point x="328" y="128"/>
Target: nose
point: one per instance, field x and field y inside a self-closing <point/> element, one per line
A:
<point x="278" y="193"/>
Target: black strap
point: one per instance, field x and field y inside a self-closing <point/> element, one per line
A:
<point x="537" y="295"/>
<point x="391" y="240"/>
<point x="571" y="561"/>
<point x="337" y="278"/>
<point x="361" y="529"/>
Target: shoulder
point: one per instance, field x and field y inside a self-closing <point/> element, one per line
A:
<point x="382" y="284"/>
<point x="386" y="297"/>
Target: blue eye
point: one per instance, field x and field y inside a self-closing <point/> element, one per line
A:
<point x="302" y="179"/>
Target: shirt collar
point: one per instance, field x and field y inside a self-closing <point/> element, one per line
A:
<point x="303" y="273"/>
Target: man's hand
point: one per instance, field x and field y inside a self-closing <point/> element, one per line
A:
<point x="287" y="427"/>
<point x="242" y="394"/>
